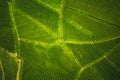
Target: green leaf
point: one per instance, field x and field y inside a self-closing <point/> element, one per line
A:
<point x="60" y="40"/>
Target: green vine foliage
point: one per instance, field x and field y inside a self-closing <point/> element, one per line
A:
<point x="59" y="40"/>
